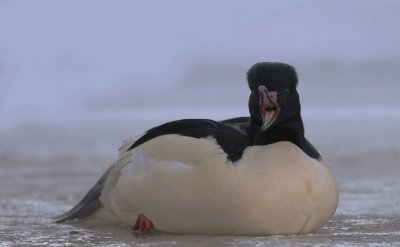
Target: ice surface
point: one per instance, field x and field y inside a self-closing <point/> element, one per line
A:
<point x="47" y="180"/>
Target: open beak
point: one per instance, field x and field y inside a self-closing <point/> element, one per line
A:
<point x="269" y="107"/>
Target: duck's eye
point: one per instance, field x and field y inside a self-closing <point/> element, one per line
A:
<point x="287" y="92"/>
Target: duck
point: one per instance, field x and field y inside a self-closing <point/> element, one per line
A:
<point x="254" y="175"/>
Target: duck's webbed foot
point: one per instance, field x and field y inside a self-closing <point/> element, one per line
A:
<point x="143" y="224"/>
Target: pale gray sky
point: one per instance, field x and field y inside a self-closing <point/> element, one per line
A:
<point x="55" y="56"/>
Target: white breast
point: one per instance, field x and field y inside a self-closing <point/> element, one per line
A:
<point x="186" y="185"/>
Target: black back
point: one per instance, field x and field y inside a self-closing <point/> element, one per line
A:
<point x="233" y="141"/>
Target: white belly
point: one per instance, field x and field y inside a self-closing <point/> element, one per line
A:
<point x="185" y="185"/>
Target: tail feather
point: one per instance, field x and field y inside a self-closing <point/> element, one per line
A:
<point x="90" y="203"/>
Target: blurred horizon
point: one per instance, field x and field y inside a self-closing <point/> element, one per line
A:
<point x="66" y="64"/>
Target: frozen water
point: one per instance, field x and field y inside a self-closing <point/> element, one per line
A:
<point x="44" y="177"/>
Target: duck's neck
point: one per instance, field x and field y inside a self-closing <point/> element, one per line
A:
<point x="290" y="130"/>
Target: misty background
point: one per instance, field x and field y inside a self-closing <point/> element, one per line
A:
<point x="102" y="71"/>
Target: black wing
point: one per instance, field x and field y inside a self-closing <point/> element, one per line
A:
<point x="232" y="140"/>
<point x="240" y="123"/>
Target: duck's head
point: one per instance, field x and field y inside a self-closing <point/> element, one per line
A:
<point x="274" y="98"/>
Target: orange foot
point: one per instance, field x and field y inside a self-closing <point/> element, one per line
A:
<point x="143" y="224"/>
